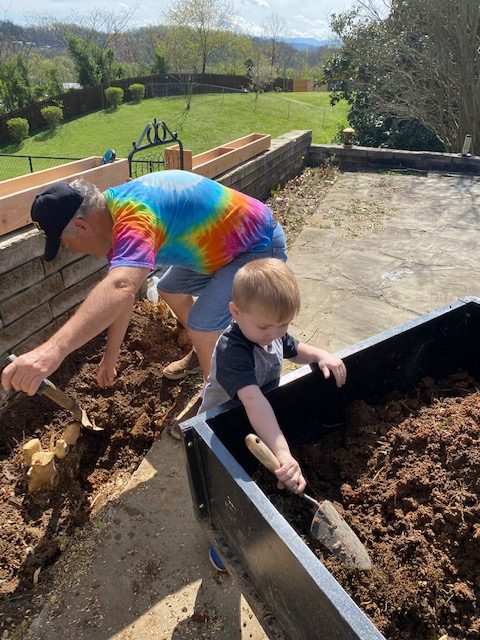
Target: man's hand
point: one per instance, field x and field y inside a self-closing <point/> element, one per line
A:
<point x="28" y="370"/>
<point x="106" y="372"/>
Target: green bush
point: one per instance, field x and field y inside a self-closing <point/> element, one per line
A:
<point x="137" y="92"/>
<point x="114" y="96"/>
<point x="53" y="116"/>
<point x="18" y="128"/>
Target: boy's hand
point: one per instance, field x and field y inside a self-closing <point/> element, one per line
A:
<point x="329" y="363"/>
<point x="289" y="475"/>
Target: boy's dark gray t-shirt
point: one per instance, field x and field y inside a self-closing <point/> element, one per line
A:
<point x="237" y="362"/>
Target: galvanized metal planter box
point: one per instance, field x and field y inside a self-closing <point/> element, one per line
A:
<point x="289" y="589"/>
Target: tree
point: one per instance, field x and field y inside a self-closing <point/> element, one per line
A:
<point x="286" y="55"/>
<point x="231" y="59"/>
<point x="260" y="71"/>
<point x="94" y="65"/>
<point x="91" y="40"/>
<point x="273" y="27"/>
<point x="45" y="77"/>
<point x="15" y="88"/>
<point x="203" y="25"/>
<point x="417" y="65"/>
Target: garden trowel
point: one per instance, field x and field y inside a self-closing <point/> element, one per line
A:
<point x="47" y="388"/>
<point x="328" y="526"/>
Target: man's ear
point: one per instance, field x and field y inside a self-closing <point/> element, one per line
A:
<point x="80" y="224"/>
<point x="232" y="307"/>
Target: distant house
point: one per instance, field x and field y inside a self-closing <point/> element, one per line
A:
<point x="67" y="86"/>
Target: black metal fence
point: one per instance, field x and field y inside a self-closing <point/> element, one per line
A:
<point x="12" y="165"/>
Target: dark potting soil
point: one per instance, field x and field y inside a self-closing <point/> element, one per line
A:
<point x="406" y="477"/>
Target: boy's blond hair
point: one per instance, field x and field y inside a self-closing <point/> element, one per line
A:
<point x="268" y="285"/>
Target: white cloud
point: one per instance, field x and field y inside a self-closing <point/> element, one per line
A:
<point x="248" y="27"/>
<point x="313" y="21"/>
<point x="263" y="4"/>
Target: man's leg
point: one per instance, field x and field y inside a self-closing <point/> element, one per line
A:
<point x="180" y="304"/>
<point x="204" y="343"/>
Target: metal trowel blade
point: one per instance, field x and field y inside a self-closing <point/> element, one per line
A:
<point x="331" y="530"/>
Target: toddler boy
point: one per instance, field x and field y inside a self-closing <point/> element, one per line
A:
<point x="249" y="354"/>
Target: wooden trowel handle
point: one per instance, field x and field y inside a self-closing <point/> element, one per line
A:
<point x="262" y="452"/>
<point x="50" y="390"/>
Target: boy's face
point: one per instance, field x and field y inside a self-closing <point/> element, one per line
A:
<point x="257" y="325"/>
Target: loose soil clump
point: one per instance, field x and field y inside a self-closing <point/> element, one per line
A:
<point x="406" y="477"/>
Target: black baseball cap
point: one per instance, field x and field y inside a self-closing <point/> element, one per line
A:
<point x="52" y="210"/>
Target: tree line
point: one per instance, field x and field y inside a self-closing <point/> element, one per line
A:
<point x="99" y="47"/>
<point x="410" y="69"/>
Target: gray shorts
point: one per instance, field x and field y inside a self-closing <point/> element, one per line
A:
<point x="210" y="310"/>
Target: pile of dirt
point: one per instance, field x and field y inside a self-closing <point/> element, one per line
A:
<point x="405" y="475"/>
<point x="133" y="413"/>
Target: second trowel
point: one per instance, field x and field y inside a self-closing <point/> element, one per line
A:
<point x="47" y="388"/>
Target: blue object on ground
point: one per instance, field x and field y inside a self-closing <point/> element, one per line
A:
<point x="215" y="560"/>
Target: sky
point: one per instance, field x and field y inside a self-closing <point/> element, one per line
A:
<point x="308" y="18"/>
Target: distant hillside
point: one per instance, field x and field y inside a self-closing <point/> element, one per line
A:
<point x="308" y="43"/>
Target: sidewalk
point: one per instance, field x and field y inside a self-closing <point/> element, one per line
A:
<point x="147" y="573"/>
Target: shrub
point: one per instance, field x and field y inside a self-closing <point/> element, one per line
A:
<point x="114" y="96"/>
<point x="137" y="92"/>
<point x="53" y="116"/>
<point x="18" y="128"/>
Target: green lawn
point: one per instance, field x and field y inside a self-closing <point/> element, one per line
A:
<point x="211" y="120"/>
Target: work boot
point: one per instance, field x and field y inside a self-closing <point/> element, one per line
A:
<point x="184" y="367"/>
<point x="188" y="412"/>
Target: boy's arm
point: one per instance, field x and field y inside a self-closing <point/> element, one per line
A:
<point x="327" y="362"/>
<point x="263" y="420"/>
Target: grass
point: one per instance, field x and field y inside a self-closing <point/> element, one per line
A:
<point x="210" y="120"/>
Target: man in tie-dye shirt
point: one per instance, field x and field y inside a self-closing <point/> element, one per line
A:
<point x="204" y="230"/>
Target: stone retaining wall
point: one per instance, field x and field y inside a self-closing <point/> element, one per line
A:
<point x="364" y="158"/>
<point x="36" y="297"/>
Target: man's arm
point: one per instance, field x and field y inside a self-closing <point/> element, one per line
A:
<point x="107" y="372"/>
<point x="103" y="306"/>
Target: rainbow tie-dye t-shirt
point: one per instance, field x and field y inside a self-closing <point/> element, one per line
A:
<point x="180" y="218"/>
